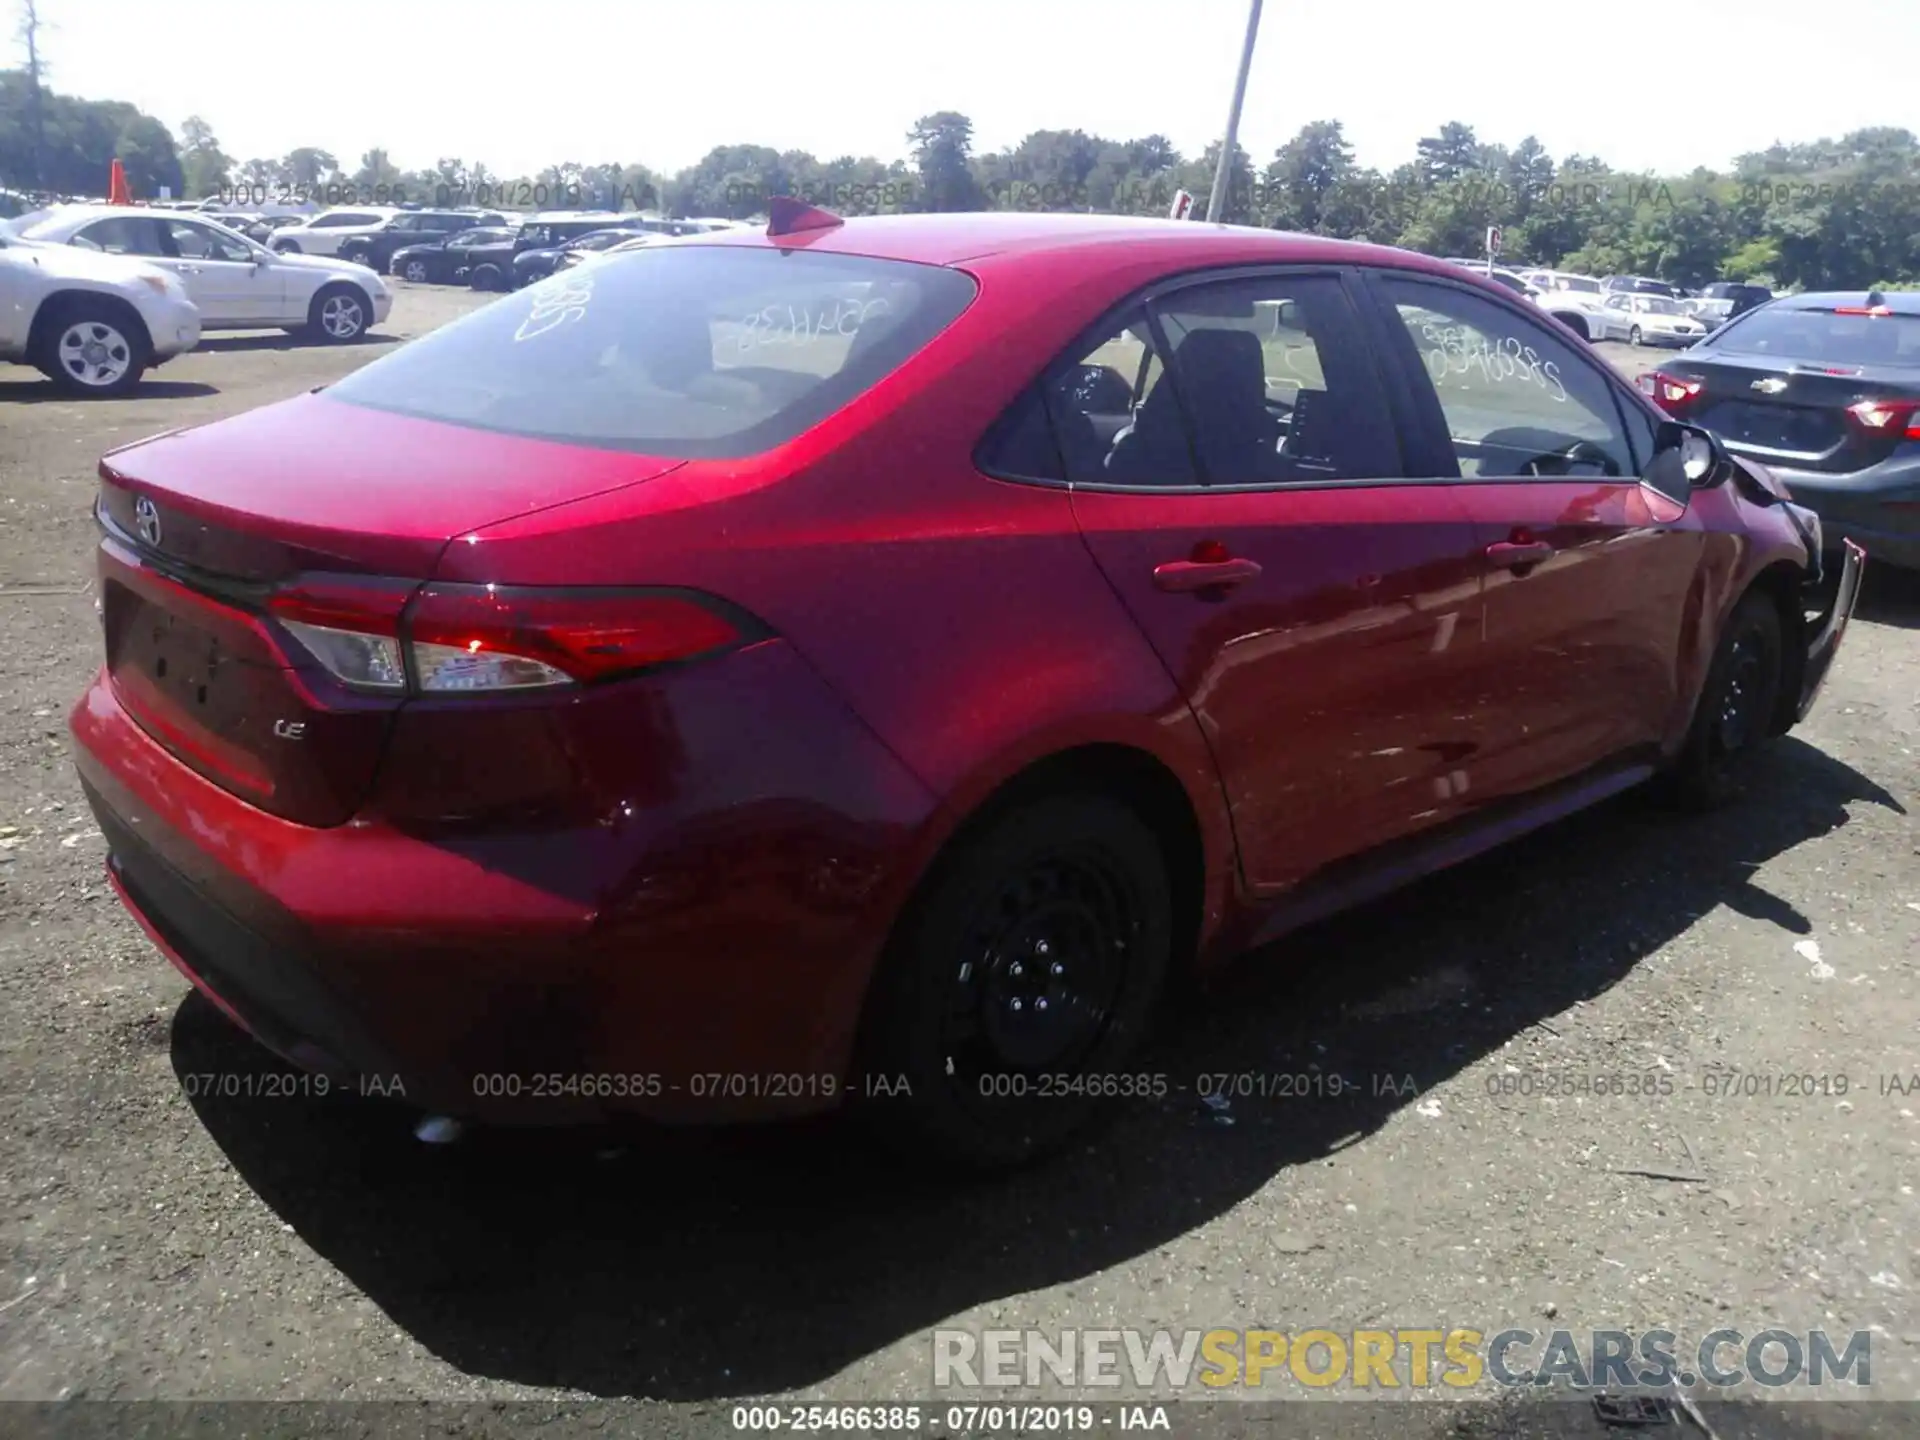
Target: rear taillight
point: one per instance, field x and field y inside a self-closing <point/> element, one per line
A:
<point x="1887" y="417"/>
<point x="1669" y="392"/>
<point x="352" y="629"/>
<point x="488" y="639"/>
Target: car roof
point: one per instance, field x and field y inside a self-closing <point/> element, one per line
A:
<point x="952" y="239"/>
<point x="1900" y="302"/>
<point x="86" y="211"/>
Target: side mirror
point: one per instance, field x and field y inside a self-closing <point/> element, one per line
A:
<point x="1687" y="457"/>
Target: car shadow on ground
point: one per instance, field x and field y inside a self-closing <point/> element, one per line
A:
<point x="697" y="1265"/>
<point x="248" y="340"/>
<point x="1889" y="596"/>
<point x="41" y="392"/>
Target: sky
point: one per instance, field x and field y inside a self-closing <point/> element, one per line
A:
<point x="521" y="84"/>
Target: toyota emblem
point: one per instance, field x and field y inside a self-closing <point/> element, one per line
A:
<point x="146" y="519"/>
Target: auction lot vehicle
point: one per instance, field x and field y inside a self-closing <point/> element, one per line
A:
<point x="236" y="283"/>
<point x="377" y="248"/>
<point x="1824" y="390"/>
<point x="325" y="233"/>
<point x="496" y="267"/>
<point x="1571" y="299"/>
<point x="446" y="261"/>
<point x="1640" y="285"/>
<point x="862" y="661"/>
<point x="92" y="324"/>
<point x="1644" y="320"/>
<point x="537" y="264"/>
<point x="1743" y="297"/>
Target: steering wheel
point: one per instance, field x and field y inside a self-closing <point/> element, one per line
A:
<point x="1581" y="452"/>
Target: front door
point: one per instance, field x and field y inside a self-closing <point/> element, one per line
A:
<point x="228" y="282"/>
<point x="1588" y="568"/>
<point x="1320" y="615"/>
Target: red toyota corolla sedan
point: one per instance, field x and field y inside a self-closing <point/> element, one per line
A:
<point x="861" y="661"/>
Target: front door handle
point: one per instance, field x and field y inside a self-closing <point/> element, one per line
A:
<point x="1181" y="577"/>
<point x="1519" y="554"/>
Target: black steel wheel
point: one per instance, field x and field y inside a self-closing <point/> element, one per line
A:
<point x="1019" y="984"/>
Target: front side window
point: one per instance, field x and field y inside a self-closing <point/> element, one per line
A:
<point x="1518" y="400"/>
<point x="695" y="353"/>
<point x="198" y="242"/>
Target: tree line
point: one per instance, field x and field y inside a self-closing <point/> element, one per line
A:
<point x="1826" y="213"/>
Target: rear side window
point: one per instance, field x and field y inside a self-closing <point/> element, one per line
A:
<point x="1823" y="335"/>
<point x="691" y="352"/>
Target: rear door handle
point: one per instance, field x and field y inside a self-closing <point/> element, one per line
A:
<point x="1184" y="576"/>
<point x="1519" y="554"/>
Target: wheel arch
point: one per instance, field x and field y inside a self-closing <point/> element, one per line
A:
<point x="1781" y="582"/>
<point x="53" y="306"/>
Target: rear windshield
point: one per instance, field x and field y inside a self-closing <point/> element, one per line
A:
<point x="1823" y="335"/>
<point x="689" y="351"/>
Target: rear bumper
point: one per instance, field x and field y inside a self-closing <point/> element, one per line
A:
<point x="1856" y="508"/>
<point x="1831" y="627"/>
<point x="703" y="960"/>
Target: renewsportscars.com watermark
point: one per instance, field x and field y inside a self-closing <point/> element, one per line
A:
<point x="1402" y="1359"/>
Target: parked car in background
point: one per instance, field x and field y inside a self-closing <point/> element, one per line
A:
<point x="571" y="257"/>
<point x="1499" y="274"/>
<point x="1571" y="299"/>
<point x="446" y="261"/>
<point x="1640" y="285"/>
<point x="542" y="261"/>
<point x="1710" y="313"/>
<point x="325" y="233"/>
<point x="236" y="283"/>
<point x="1743" y="297"/>
<point x="1296" y="570"/>
<point x="92" y="324"/>
<point x="491" y="267"/>
<point x="1824" y="390"/>
<point x="1645" y="320"/>
<point x="376" y="249"/>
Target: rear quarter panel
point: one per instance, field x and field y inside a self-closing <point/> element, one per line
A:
<point x="960" y="617"/>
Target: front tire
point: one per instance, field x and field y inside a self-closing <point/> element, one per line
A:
<point x="1633" y="337"/>
<point x="486" y="277"/>
<point x="91" y="349"/>
<point x="1019" y="985"/>
<point x="339" y="315"/>
<point x="415" y="272"/>
<point x="1737" y="707"/>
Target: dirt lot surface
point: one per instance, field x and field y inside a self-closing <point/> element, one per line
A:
<point x="152" y="1246"/>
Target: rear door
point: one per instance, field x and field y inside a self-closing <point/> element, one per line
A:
<point x="1588" y="569"/>
<point x="1235" y="471"/>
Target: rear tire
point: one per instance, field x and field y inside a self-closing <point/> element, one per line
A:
<point x="486" y="277"/>
<point x="415" y="272"/>
<point x="1633" y="337"/>
<point x="89" y="347"/>
<point x="1737" y="705"/>
<point x="1019" y="985"/>
<point x="358" y="255"/>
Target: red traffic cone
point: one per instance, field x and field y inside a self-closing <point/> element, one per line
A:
<point x="117" y="191"/>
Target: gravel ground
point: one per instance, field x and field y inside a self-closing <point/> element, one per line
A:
<point x="153" y="1247"/>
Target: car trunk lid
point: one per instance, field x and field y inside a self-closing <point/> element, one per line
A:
<point x="1794" y="414"/>
<point x="202" y="528"/>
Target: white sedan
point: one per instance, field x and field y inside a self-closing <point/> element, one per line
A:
<point x="235" y="283"/>
<point x="1645" y="320"/>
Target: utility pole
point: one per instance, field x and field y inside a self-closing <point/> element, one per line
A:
<point x="30" y="32"/>
<point x="1219" y="195"/>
